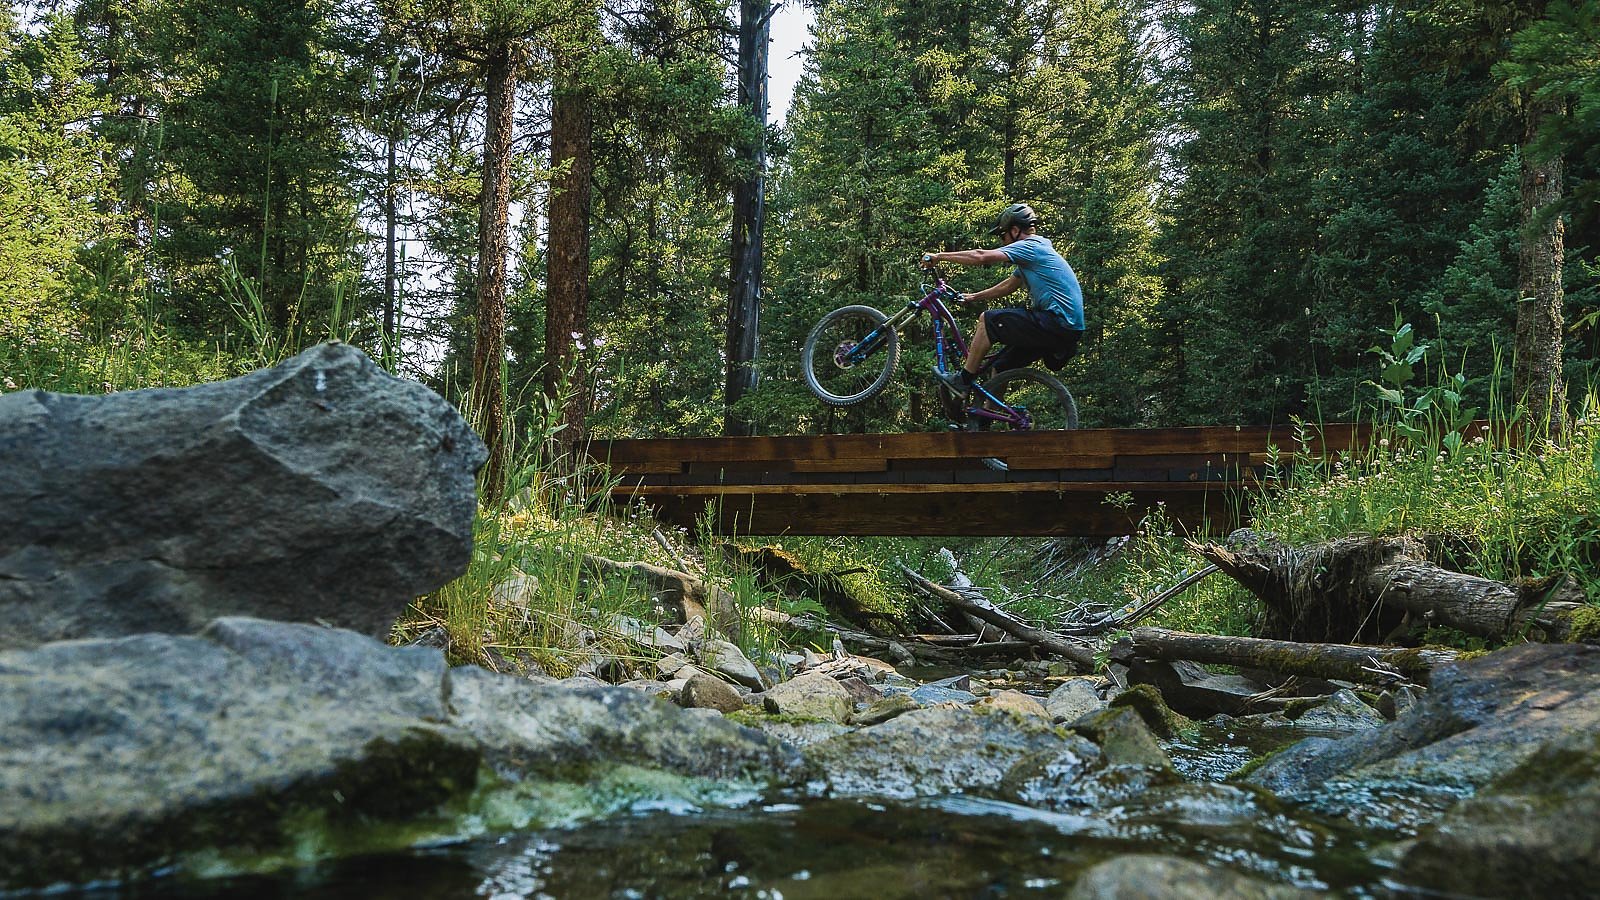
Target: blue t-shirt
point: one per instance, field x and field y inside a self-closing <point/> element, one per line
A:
<point x="1052" y="285"/>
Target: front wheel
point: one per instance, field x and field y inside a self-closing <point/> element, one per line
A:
<point x="1040" y="400"/>
<point x="850" y="355"/>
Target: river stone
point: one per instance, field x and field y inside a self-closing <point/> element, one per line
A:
<point x="264" y="744"/>
<point x="1073" y="699"/>
<point x="1533" y="832"/>
<point x="320" y="489"/>
<point x="885" y="709"/>
<point x="1124" y="738"/>
<point x="1015" y="702"/>
<point x="929" y="694"/>
<point x="810" y="696"/>
<point x="933" y="752"/>
<point x="1481" y="718"/>
<point x="1151" y="877"/>
<point x="1146" y="700"/>
<point x="1343" y="711"/>
<point x="704" y="691"/>
<point x="723" y="656"/>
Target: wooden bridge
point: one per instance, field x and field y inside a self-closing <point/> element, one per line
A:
<point x="1089" y="482"/>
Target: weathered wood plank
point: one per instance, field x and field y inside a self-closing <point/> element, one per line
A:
<point x="839" y="465"/>
<point x="967" y="445"/>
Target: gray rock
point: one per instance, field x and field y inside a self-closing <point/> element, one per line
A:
<point x="1073" y="699"/>
<point x="1193" y="691"/>
<point x="724" y="657"/>
<point x="709" y="692"/>
<point x="320" y="489"/>
<point x="1015" y="702"/>
<point x="860" y="691"/>
<point x="671" y="663"/>
<point x="1150" y="877"/>
<point x="1124" y="738"/>
<point x="651" y="687"/>
<point x="1533" y="832"/>
<point x="257" y="742"/>
<point x="810" y="696"/>
<point x="1480" y="719"/>
<point x="929" y="694"/>
<point x="885" y="709"/>
<point x="1343" y="711"/>
<point x="930" y="752"/>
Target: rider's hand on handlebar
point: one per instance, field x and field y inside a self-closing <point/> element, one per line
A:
<point x="927" y="261"/>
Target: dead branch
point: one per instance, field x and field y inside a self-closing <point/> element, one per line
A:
<point x="1047" y="641"/>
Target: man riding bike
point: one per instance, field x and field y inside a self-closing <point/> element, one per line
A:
<point x="1051" y="326"/>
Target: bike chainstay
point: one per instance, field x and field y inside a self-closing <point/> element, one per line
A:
<point x="1015" y="416"/>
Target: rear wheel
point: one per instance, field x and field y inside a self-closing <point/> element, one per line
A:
<point x="1043" y="401"/>
<point x="835" y="367"/>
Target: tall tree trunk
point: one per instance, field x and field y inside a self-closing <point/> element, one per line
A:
<point x="489" y="341"/>
<point x="749" y="216"/>
<point x="390" y="217"/>
<point x="567" y="304"/>
<point x="1536" y="377"/>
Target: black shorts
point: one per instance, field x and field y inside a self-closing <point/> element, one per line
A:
<point x="1030" y="336"/>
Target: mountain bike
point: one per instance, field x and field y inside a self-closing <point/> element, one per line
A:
<point x="851" y="354"/>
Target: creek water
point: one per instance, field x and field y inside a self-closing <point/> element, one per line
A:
<point x="841" y="849"/>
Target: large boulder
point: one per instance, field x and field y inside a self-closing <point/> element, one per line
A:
<point x="1482" y="718"/>
<point x="257" y="744"/>
<point x="1534" y="831"/>
<point x="320" y="489"/>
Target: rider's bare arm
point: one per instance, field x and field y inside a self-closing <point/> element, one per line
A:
<point x="1010" y="285"/>
<point x="978" y="257"/>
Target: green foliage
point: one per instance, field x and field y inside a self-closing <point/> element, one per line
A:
<point x="51" y="171"/>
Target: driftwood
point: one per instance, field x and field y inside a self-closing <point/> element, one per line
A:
<point x="926" y="649"/>
<point x="1358" y="589"/>
<point x="1049" y="642"/>
<point x="1369" y="665"/>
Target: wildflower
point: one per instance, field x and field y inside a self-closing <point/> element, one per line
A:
<point x="1383" y="442"/>
<point x="10" y="385"/>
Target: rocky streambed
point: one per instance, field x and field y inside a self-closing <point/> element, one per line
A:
<point x="299" y="759"/>
<point x="180" y="717"/>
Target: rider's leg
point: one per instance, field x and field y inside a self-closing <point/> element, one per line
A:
<point x="978" y="348"/>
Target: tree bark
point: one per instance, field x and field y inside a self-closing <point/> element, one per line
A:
<point x="749" y="217"/>
<point x="567" y="301"/>
<point x="489" y="339"/>
<point x="1354" y="590"/>
<point x="1369" y="665"/>
<point x="390" y="223"/>
<point x="1536" y="377"/>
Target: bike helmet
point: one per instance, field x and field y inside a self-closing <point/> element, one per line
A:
<point x="1019" y="214"/>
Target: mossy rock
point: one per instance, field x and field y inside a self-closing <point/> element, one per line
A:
<point x="1124" y="738"/>
<point x="1147" y="701"/>
<point x="1584" y="625"/>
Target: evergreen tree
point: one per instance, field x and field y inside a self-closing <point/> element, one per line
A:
<point x="53" y="180"/>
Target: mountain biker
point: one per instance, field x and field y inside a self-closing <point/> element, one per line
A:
<point x="1051" y="326"/>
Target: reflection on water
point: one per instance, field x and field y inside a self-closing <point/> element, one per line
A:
<point x="833" y="850"/>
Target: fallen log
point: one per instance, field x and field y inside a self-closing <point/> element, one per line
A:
<point x="1055" y="644"/>
<point x="1358" y="588"/>
<point x="1347" y="662"/>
